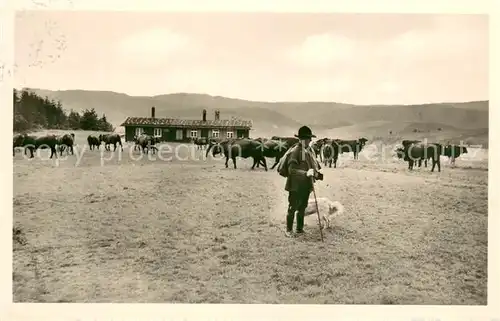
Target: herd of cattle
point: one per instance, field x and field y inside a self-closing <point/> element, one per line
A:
<point x="327" y="149"/>
<point x="62" y="142"/>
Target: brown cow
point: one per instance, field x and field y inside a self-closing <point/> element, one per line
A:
<point x="109" y="139"/>
<point x="351" y="146"/>
<point x="244" y="148"/>
<point x="423" y="151"/>
<point x="330" y="152"/>
<point x="453" y="151"/>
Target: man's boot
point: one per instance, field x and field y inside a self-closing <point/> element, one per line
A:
<point x="289" y="223"/>
<point x="300" y="223"/>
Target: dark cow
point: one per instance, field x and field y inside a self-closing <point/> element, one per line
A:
<point x="244" y="148"/>
<point x="317" y="146"/>
<point x="422" y="151"/>
<point x="408" y="142"/>
<point x="18" y="141"/>
<point x="453" y="151"/>
<point x="66" y="140"/>
<point x="351" y="146"/>
<point x="200" y="142"/>
<point x="93" y="142"/>
<point x="136" y="142"/>
<point x="147" y="142"/>
<point x="330" y="151"/>
<point x="47" y="141"/>
<point x="274" y="149"/>
<point x="33" y="143"/>
<point x="109" y="139"/>
<point x="26" y="141"/>
<point x="400" y="153"/>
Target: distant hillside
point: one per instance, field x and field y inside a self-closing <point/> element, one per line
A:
<point x="280" y="117"/>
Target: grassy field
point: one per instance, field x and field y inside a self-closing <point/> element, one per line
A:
<point x="105" y="228"/>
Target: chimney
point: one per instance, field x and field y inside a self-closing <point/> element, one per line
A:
<point x="204" y="115"/>
<point x="153" y="112"/>
<point x="217" y="115"/>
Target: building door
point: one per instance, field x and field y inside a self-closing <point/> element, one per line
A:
<point x="241" y="133"/>
<point x="204" y="133"/>
<point x="178" y="134"/>
<point x="169" y="135"/>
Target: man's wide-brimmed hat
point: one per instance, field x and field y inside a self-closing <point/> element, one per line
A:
<point x="305" y="132"/>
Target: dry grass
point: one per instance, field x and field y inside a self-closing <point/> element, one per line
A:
<point x="193" y="231"/>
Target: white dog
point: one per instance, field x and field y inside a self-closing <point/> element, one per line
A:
<point x="327" y="209"/>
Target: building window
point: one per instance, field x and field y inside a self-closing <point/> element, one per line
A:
<point x="139" y="131"/>
<point x="194" y="133"/>
<point x="158" y="132"/>
<point x="215" y="133"/>
<point x="230" y="134"/>
<point x="178" y="134"/>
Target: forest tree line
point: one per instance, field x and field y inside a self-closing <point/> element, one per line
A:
<point x="32" y="112"/>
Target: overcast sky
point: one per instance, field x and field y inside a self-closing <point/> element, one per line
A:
<point x="352" y="58"/>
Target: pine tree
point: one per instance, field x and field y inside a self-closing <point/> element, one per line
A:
<point x="33" y="112"/>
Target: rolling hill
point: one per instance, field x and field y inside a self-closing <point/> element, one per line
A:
<point x="274" y="118"/>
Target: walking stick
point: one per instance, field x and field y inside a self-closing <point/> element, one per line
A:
<point x="317" y="210"/>
<point x="317" y="207"/>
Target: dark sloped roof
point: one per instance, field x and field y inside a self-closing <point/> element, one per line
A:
<point x="198" y="123"/>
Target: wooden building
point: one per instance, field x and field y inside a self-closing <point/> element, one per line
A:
<point x="183" y="130"/>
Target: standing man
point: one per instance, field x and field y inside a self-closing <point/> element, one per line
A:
<point x="303" y="168"/>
